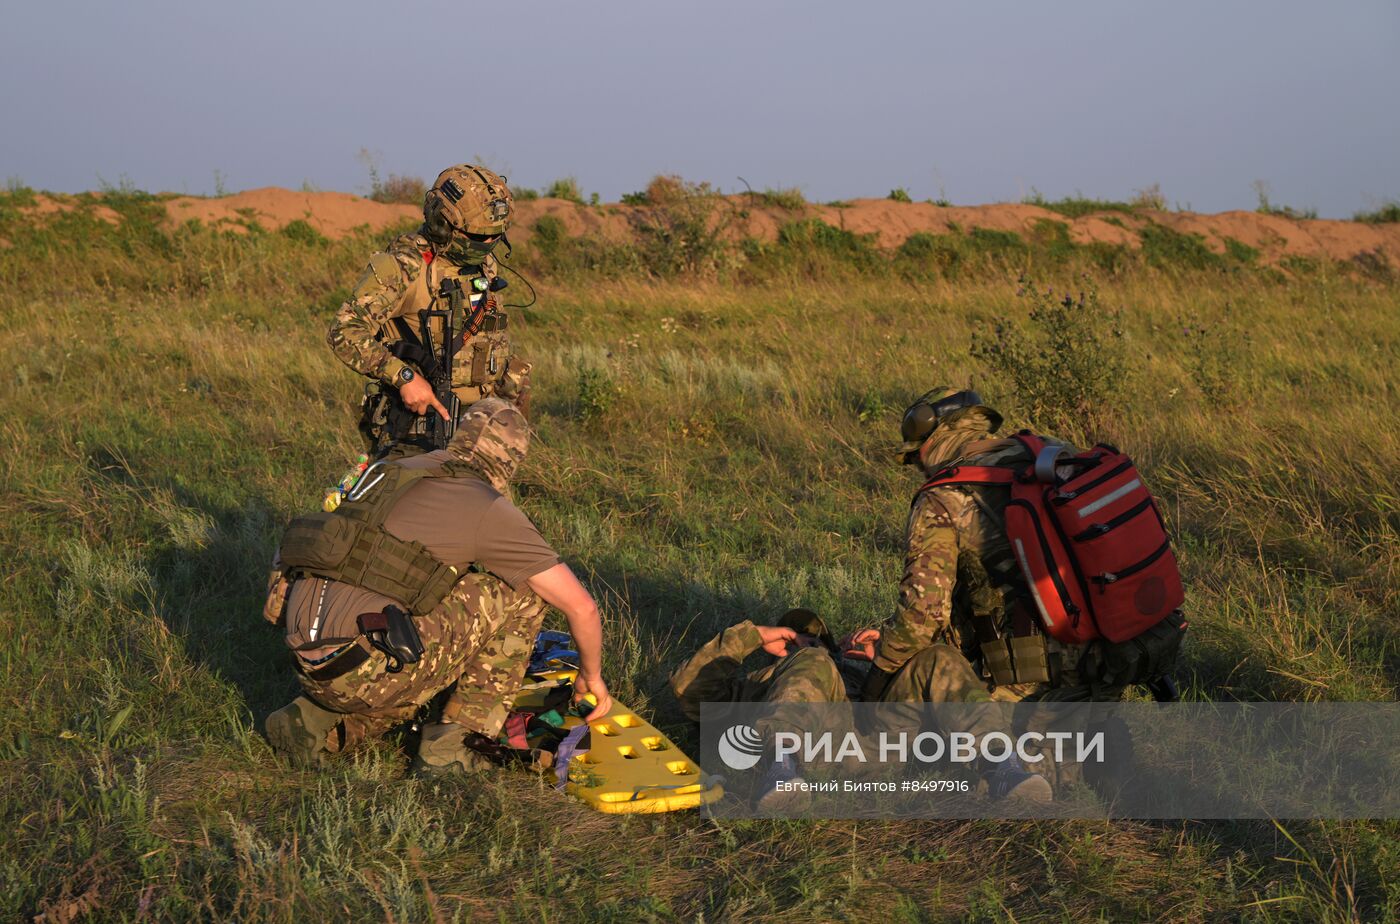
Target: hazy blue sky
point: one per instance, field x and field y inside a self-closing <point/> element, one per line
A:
<point x="976" y="101"/>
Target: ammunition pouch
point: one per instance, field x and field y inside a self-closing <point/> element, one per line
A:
<point x="392" y="632"/>
<point x="338" y="548"/>
<point x="1020" y="656"/>
<point x="1016" y="659"/>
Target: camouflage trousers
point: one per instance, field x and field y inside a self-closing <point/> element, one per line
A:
<point x="808" y="675"/>
<point x="476" y="643"/>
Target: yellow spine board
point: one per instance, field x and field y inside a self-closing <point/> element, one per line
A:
<point x="630" y="766"/>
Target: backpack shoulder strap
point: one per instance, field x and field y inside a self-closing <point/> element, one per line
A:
<point x="970" y="474"/>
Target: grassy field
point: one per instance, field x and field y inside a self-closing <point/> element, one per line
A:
<point x="709" y="448"/>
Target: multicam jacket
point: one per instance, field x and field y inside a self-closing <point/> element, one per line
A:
<point x="398" y="283"/>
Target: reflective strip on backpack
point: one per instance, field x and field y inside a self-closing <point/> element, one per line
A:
<point x="1030" y="582"/>
<point x="1109" y="498"/>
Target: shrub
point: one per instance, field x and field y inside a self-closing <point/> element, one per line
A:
<point x="949" y="254"/>
<point x="1388" y="213"/>
<point x="1166" y="249"/>
<point x="1063" y="365"/>
<point x="302" y="232"/>
<point x="408" y="190"/>
<point x="1265" y="207"/>
<point x="1240" y="252"/>
<point x="922" y="252"/>
<point x="900" y="194"/>
<point x="524" y="193"/>
<point x="790" y="199"/>
<point x="1150" y="198"/>
<point x="1077" y="206"/>
<point x="597" y="392"/>
<point x="813" y="248"/>
<point x="553" y="250"/>
<point x="681" y="229"/>
<point x="566" y="188"/>
<point x="1213" y="355"/>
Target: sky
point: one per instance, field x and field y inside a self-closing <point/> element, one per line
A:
<point x="973" y="102"/>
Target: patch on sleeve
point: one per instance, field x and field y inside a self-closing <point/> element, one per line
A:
<point x="384" y="268"/>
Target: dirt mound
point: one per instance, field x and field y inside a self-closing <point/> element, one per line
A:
<point x="46" y="206"/>
<point x="337" y="214"/>
<point x="331" y="213"/>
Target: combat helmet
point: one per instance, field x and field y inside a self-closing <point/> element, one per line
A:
<point x="935" y="407"/>
<point x="492" y="437"/>
<point x="468" y="200"/>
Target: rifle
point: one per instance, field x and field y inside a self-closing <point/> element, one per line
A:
<point x="437" y="365"/>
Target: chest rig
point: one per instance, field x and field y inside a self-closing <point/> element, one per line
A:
<point x="444" y="295"/>
<point x="481" y="347"/>
<point x="350" y="545"/>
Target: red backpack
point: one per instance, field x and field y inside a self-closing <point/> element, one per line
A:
<point x="1092" y="547"/>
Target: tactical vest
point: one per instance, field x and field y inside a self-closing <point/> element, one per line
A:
<point x="351" y="545"/>
<point x="479" y="364"/>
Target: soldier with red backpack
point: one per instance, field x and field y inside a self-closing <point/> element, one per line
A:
<point x="1048" y="568"/>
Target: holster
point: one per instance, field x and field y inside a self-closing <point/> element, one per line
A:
<point x="392" y="632"/>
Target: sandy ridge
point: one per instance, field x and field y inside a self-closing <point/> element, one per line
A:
<point x="336" y="214"/>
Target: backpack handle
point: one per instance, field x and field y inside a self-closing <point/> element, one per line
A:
<point x="1045" y="463"/>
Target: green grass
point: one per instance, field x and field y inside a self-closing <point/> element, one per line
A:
<point x="1388" y="213"/>
<point x="705" y="452"/>
<point x="1079" y="206"/>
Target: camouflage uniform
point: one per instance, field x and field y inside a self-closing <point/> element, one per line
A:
<point x="962" y="586"/>
<point x="962" y="592"/>
<point x="477" y="642"/>
<point x="408" y="277"/>
<point x="714" y="674"/>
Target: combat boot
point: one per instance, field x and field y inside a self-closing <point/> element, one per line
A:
<point x="1010" y="780"/>
<point x="443" y="751"/>
<point x="782" y="791"/>
<point x="298" y="732"/>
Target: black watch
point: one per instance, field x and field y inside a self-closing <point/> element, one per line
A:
<point x="405" y="375"/>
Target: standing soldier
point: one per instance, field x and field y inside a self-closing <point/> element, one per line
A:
<point x="426" y="579"/>
<point x="392" y="327"/>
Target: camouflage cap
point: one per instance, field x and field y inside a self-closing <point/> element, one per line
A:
<point x="932" y="408"/>
<point x="469" y="199"/>
<point x="492" y="436"/>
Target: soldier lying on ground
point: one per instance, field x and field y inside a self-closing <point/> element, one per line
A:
<point x="426" y="579"/>
<point x="378" y="331"/>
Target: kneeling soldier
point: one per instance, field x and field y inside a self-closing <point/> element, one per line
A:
<point x="426" y="578"/>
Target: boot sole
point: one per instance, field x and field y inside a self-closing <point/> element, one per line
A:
<point x="288" y="735"/>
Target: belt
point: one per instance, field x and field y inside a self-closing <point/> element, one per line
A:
<point x="340" y="665"/>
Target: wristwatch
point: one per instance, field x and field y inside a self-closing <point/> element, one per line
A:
<point x="405" y="376"/>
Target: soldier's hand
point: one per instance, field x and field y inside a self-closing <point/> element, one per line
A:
<point x="776" y="639"/>
<point x="599" y="690"/>
<point x="418" y="396"/>
<point x="860" y="644"/>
